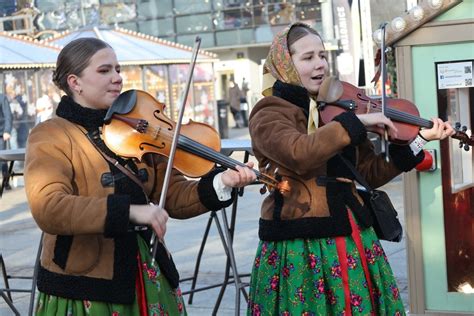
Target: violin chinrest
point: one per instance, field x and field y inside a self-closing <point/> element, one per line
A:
<point x="331" y="90"/>
<point x="123" y="104"/>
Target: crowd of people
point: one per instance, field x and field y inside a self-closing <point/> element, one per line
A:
<point x="97" y="210"/>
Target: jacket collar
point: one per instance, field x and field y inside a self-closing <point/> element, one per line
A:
<point x="74" y="112"/>
<point x="293" y="94"/>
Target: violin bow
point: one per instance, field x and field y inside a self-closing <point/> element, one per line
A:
<point x="384" y="91"/>
<point x="169" y="166"/>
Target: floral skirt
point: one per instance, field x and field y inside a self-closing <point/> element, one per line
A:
<point x="347" y="275"/>
<point x="154" y="296"/>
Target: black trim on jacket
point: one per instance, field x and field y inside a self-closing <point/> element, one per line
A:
<point x="293" y="94"/>
<point x="403" y="157"/>
<point x="354" y="127"/>
<point x="97" y="289"/>
<point x="339" y="197"/>
<point x="118" y="215"/>
<point x="207" y="194"/>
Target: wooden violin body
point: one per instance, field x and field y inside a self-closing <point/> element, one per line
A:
<point x="122" y="135"/>
<point x="136" y="125"/>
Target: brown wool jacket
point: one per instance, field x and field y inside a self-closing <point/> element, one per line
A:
<point x="278" y="129"/>
<point x="63" y="184"/>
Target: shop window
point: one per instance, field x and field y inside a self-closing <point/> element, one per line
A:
<point x="132" y="77"/>
<point x="308" y="13"/>
<point x="193" y="23"/>
<point x="154" y="8"/>
<point x="231" y="19"/>
<point x="191" y="6"/>
<point x="160" y="27"/>
<point x="242" y="36"/>
<point x="207" y="40"/>
<point x="157" y="84"/>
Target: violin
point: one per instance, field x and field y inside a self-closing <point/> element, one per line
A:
<point x="337" y="96"/>
<point x="136" y="124"/>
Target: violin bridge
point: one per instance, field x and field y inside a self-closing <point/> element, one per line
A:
<point x="156" y="133"/>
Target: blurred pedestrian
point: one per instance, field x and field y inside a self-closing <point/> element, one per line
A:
<point x="6" y="124"/>
<point x="20" y="119"/>
<point x="234" y="102"/>
<point x="244" y="104"/>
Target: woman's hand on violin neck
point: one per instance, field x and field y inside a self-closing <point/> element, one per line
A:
<point x="377" y="119"/>
<point x="151" y="215"/>
<point x="440" y="130"/>
<point x="240" y="177"/>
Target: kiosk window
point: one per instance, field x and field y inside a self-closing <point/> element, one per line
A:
<point x="455" y="103"/>
<point x="455" y="94"/>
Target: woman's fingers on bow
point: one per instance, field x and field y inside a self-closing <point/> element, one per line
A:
<point x="150" y="215"/>
<point x="392" y="129"/>
<point x="378" y="119"/>
<point x="159" y="218"/>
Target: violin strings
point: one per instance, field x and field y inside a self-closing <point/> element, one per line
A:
<point x="405" y="117"/>
<point x="208" y="153"/>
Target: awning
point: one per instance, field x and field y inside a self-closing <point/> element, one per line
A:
<point x="22" y="52"/>
<point x="134" y="48"/>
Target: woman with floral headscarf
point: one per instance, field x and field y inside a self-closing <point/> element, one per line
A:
<point x="315" y="256"/>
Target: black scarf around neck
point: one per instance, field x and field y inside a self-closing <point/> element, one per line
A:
<point x="74" y="112"/>
<point x="293" y="94"/>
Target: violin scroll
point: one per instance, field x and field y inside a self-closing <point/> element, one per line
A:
<point x="464" y="140"/>
<point x="273" y="183"/>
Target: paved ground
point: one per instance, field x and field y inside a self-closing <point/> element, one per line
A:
<point x="19" y="238"/>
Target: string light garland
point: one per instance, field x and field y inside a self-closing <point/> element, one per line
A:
<point x="402" y="25"/>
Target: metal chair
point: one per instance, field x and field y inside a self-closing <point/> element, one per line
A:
<point x="5" y="292"/>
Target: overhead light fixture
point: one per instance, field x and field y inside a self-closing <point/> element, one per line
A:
<point x="435" y="4"/>
<point x="403" y="25"/>
<point x="398" y="24"/>
<point x="417" y="13"/>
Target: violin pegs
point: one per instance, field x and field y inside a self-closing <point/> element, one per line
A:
<point x="464" y="128"/>
<point x="457" y="126"/>
<point x="466" y="147"/>
<point x="267" y="167"/>
<point x="263" y="189"/>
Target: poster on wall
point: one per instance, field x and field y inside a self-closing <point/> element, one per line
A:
<point x="455" y="74"/>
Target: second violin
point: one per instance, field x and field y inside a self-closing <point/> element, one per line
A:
<point x="337" y="96"/>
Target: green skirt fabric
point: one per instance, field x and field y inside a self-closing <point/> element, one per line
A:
<point x="161" y="299"/>
<point x="307" y="277"/>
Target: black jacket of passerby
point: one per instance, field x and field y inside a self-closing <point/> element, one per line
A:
<point x="6" y="117"/>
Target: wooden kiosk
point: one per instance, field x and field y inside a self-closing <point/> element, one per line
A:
<point x="434" y="69"/>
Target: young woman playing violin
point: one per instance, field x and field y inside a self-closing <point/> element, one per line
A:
<point x="95" y="219"/>
<point x="314" y="258"/>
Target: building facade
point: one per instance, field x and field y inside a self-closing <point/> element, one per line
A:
<point x="239" y="31"/>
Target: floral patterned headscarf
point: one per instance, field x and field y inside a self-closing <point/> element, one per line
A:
<point x="279" y="65"/>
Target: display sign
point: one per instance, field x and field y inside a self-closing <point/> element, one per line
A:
<point x="454" y="74"/>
